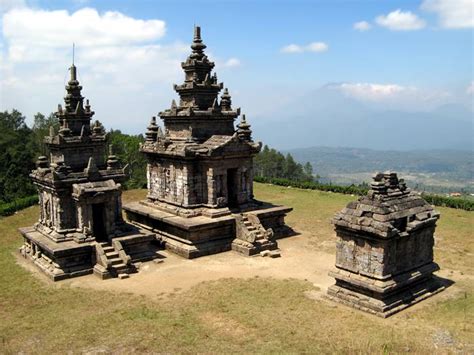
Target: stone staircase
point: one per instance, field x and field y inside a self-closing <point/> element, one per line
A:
<point x="251" y="236"/>
<point x="112" y="261"/>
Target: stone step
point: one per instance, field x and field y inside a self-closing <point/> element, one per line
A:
<point x="108" y="249"/>
<point x="119" y="267"/>
<point x="116" y="261"/>
<point x="112" y="255"/>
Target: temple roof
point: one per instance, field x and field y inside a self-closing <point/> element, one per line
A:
<point x="389" y="209"/>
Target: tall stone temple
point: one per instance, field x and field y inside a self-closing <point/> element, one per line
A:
<point x="200" y="171"/>
<point x="80" y="229"/>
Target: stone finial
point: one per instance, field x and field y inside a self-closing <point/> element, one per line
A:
<point x="197" y="46"/>
<point x="152" y="131"/>
<point x="91" y="167"/>
<point x="226" y="101"/>
<point x="159" y="133"/>
<point x="112" y="161"/>
<point x="88" y="106"/>
<point x="387" y="184"/>
<point x="215" y="105"/>
<point x="64" y="130"/>
<point x="51" y="131"/>
<point x="73" y="71"/>
<point x="42" y="162"/>
<point x="97" y="130"/>
<point x="243" y="130"/>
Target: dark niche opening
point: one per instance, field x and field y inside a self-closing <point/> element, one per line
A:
<point x="232" y="187"/>
<point x="98" y="222"/>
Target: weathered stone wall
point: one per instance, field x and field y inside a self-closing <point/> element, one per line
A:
<point x="199" y="183"/>
<point x="168" y="181"/>
<point x="377" y="258"/>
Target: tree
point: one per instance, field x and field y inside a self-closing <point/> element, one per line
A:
<point x="126" y="148"/>
<point x="41" y="126"/>
<point x="16" y="156"/>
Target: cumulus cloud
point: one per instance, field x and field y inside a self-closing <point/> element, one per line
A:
<point x="231" y="62"/>
<point x="312" y="47"/>
<point x="86" y="27"/>
<point x="124" y="69"/>
<point x="400" y="21"/>
<point x="452" y="13"/>
<point x="362" y="26"/>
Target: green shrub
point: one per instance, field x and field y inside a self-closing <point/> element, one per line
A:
<point x="7" y="209"/>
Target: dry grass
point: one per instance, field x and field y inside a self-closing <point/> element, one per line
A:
<point x="231" y="315"/>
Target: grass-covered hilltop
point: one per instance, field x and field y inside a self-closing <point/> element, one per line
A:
<point x="227" y="303"/>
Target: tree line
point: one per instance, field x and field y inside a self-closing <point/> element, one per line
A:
<point x="21" y="145"/>
<point x="270" y="163"/>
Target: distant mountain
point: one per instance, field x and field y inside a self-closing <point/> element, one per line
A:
<point x="326" y="117"/>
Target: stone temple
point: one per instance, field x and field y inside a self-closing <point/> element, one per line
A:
<point x="384" y="257"/>
<point x="80" y="229"/>
<point x="200" y="171"/>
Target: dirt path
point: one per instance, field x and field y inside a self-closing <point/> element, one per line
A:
<point x="175" y="274"/>
<point x="299" y="260"/>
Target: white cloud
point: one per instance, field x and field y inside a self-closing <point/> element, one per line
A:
<point x="292" y="48"/>
<point x="86" y="27"/>
<point x="312" y="47"/>
<point x="452" y="13"/>
<point x="470" y="88"/>
<point x="394" y="95"/>
<point x="400" y="21"/>
<point x="362" y="26"/>
<point x="125" y="72"/>
<point x="232" y="62"/>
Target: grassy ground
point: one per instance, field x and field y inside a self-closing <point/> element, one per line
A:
<point x="230" y="315"/>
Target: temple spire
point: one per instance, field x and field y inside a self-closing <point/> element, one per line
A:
<point x="197" y="46"/>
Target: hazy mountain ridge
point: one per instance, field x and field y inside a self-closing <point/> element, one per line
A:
<point x="442" y="170"/>
<point x="327" y="117"/>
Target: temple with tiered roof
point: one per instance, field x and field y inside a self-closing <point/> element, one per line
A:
<point x="80" y="229"/>
<point x="200" y="172"/>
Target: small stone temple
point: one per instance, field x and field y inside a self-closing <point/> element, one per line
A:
<point x="384" y="256"/>
<point x="80" y="229"/>
<point x="200" y="172"/>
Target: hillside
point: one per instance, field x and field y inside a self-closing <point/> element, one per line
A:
<point x="433" y="170"/>
<point x="260" y="305"/>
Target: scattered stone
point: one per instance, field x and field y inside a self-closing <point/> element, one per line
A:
<point x="265" y="253"/>
<point x="123" y="276"/>
<point x="274" y="254"/>
<point x="158" y="261"/>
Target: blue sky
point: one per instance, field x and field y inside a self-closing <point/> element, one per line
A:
<point x="415" y="59"/>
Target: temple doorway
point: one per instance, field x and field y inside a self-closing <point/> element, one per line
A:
<point x="98" y="222"/>
<point x="232" y="187"/>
